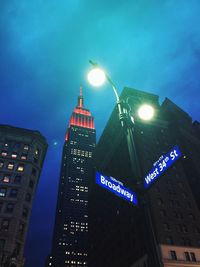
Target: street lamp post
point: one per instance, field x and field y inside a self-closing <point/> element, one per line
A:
<point x="145" y="112"/>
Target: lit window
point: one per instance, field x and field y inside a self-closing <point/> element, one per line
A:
<point x="23" y="156"/>
<point x="14" y="155"/>
<point x="3" y="192"/>
<point x="10" y="166"/>
<point x="26" y="147"/>
<point x="20" y="168"/>
<point x="6" y="179"/>
<point x="4" y="153"/>
<point x="1" y="164"/>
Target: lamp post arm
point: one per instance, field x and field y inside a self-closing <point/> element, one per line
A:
<point x="113" y="87"/>
<point x="94" y="64"/>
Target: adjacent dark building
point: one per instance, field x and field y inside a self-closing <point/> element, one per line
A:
<point x="22" y="153"/>
<point x="70" y="238"/>
<point x="164" y="229"/>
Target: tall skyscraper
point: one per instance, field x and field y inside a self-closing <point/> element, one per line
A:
<point x="70" y="239"/>
<point x="164" y="229"/>
<point x="22" y="154"/>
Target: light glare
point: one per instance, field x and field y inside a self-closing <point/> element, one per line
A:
<point x="96" y="77"/>
<point x="146" y="112"/>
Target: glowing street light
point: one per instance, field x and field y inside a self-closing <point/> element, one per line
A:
<point x="96" y="77"/>
<point x="146" y="112"/>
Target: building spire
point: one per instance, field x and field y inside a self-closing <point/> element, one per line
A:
<point x="81" y="90"/>
<point x="80" y="98"/>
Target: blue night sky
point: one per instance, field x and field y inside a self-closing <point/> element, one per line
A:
<point x="45" y="45"/>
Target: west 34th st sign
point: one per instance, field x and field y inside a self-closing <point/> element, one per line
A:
<point x="161" y="166"/>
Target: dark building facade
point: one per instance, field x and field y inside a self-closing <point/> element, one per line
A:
<point x="164" y="229"/>
<point x="22" y="153"/>
<point x="70" y="239"/>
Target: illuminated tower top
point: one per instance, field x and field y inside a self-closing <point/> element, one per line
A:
<point x="81" y="116"/>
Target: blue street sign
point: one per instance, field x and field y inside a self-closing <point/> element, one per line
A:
<point x="161" y="166"/>
<point x="116" y="187"/>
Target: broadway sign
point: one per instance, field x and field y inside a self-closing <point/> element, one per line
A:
<point x="116" y="187"/>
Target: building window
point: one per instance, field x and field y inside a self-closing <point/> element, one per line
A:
<point x="173" y="255"/>
<point x="14" y="155"/>
<point x="169" y="240"/>
<point x="21" y="228"/>
<point x="10" y="207"/>
<point x="1" y="164"/>
<point x="4" y="153"/>
<point x="166" y="227"/>
<point x="6" y="179"/>
<point x="25" y="212"/>
<point x="193" y="257"/>
<point x="35" y="160"/>
<point x="191" y="216"/>
<point x="17" y="179"/>
<point x="160" y="202"/>
<point x="187" y="256"/>
<point x="31" y="184"/>
<point x="23" y="156"/>
<point x="17" y="248"/>
<point x="26" y="147"/>
<point x="17" y="145"/>
<point x="5" y="224"/>
<point x="10" y="166"/>
<point x="20" y="168"/>
<point x="13" y="193"/>
<point x="3" y="192"/>
<point x="2" y="244"/>
<point x="34" y="171"/>
<point x="184" y="228"/>
<point x="28" y="197"/>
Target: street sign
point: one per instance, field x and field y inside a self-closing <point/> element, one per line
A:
<point x="161" y="165"/>
<point x="116" y="187"/>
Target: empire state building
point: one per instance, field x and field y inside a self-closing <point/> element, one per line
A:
<point x="70" y="239"/>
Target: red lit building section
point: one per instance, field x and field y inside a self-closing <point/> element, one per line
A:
<point x="81" y="116"/>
